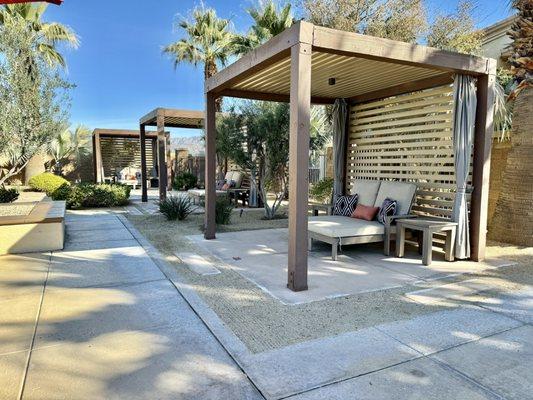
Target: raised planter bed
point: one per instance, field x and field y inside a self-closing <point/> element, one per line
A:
<point x="32" y="227"/>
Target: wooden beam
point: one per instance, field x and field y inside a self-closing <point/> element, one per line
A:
<point x="267" y="54"/>
<point x="374" y="48"/>
<point x="161" y="154"/>
<point x="281" y="98"/>
<point x="168" y="162"/>
<point x="144" y="176"/>
<point x="300" y="112"/>
<point x="410" y="87"/>
<point x="210" y="165"/>
<point x="98" y="159"/>
<point x="482" y="148"/>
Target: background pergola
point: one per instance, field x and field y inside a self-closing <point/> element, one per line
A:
<point x="164" y="118"/>
<point x="118" y="138"/>
<point x="296" y="67"/>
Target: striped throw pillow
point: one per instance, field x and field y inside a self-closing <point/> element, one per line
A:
<point x="388" y="208"/>
<point x="344" y="205"/>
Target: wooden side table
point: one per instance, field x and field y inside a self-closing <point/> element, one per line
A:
<point x="428" y="227"/>
<point x="316" y="207"/>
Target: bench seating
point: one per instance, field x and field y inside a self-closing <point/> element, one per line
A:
<point x="339" y="230"/>
<point x="236" y="176"/>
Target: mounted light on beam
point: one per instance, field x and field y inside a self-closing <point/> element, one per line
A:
<point x="331" y="81"/>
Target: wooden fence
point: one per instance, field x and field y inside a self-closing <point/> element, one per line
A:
<point x="407" y="138"/>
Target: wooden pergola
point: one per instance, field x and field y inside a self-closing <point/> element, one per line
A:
<point x="310" y="64"/>
<point x="165" y="118"/>
<point x="101" y="134"/>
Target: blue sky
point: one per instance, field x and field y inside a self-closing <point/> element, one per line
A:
<point x="120" y="72"/>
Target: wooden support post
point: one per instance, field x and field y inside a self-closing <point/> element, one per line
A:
<point x="98" y="159"/>
<point x="144" y="177"/>
<point x="161" y="152"/>
<point x="300" y="109"/>
<point x="210" y="165"/>
<point x="482" y="147"/>
<point x="168" y="158"/>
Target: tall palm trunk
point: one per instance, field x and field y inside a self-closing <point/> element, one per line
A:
<point x="513" y="217"/>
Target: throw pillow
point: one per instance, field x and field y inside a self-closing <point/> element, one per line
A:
<point x="232" y="184"/>
<point x="388" y="208"/>
<point x="368" y="213"/>
<point x="225" y="186"/>
<point x="220" y="184"/>
<point x="344" y="205"/>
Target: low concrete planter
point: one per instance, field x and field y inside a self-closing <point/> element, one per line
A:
<point x="42" y="229"/>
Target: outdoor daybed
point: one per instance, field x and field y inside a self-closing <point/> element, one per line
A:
<point x="233" y="179"/>
<point x="340" y="230"/>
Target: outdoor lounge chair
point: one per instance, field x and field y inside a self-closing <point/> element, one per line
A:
<point x="231" y="176"/>
<point x="129" y="176"/>
<point x="339" y="230"/>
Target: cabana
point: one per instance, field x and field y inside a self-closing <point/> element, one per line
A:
<point x="164" y="118"/>
<point x="114" y="149"/>
<point x="401" y="119"/>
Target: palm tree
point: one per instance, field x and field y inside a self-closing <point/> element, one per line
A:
<point x="268" y="22"/>
<point x="512" y="222"/>
<point x="208" y="41"/>
<point x="67" y="145"/>
<point x="49" y="33"/>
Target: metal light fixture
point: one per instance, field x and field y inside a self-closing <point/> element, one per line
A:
<point x="331" y="81"/>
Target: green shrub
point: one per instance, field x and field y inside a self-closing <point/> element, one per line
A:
<point x="47" y="182"/>
<point x="184" y="181"/>
<point x="223" y="210"/>
<point x="101" y="195"/>
<point x="62" y="192"/>
<point x="8" y="195"/>
<point x="322" y="190"/>
<point x="176" y="207"/>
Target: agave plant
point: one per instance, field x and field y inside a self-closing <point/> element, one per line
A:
<point x="65" y="145"/>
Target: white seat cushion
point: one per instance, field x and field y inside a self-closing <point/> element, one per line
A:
<point x="237" y="177"/>
<point x="229" y="176"/>
<point x="402" y="192"/>
<point x="201" y="192"/>
<point x="339" y="226"/>
<point x="367" y="190"/>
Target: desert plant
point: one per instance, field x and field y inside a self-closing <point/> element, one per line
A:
<point x="223" y="210"/>
<point x="8" y="195"/>
<point x="47" y="182"/>
<point x="175" y="207"/>
<point x="184" y="181"/>
<point x="322" y="190"/>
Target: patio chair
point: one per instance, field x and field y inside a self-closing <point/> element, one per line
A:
<point x="340" y="230"/>
<point x="234" y="180"/>
<point x="129" y="176"/>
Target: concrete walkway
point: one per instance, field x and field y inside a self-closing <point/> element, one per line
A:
<point x="100" y="320"/>
<point x="105" y="319"/>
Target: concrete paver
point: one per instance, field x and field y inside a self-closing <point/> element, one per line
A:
<point x="110" y="325"/>
<point x="421" y="379"/>
<point x="502" y="362"/>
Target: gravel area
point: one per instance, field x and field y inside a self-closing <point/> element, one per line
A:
<point x="263" y="323"/>
<point x="14" y="209"/>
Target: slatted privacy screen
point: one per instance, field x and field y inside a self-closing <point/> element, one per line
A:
<point x="118" y="153"/>
<point x="407" y="138"/>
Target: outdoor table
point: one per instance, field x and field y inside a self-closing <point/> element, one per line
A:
<point x="428" y="227"/>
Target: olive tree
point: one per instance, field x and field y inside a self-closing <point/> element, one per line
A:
<point x="33" y="98"/>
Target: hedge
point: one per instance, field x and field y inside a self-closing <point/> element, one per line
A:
<point x="47" y="182"/>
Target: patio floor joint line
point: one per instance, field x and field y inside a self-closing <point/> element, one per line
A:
<point x="34" y="334"/>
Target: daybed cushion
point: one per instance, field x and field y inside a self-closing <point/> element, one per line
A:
<point x="367" y="190"/>
<point x="402" y="192"/>
<point x="201" y="192"/>
<point x="339" y="226"/>
<point x="237" y="178"/>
